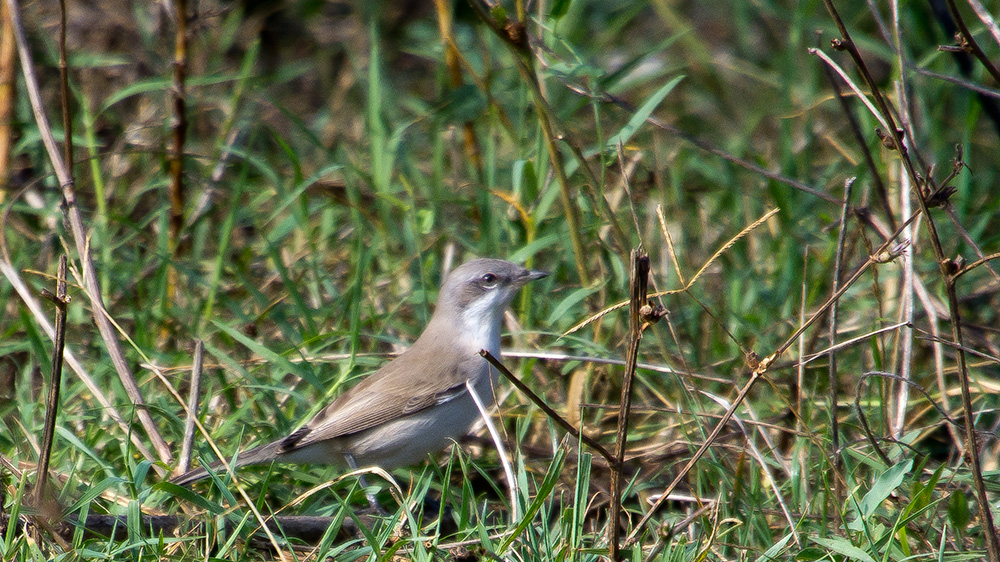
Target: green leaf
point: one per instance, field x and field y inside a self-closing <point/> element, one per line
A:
<point x="559" y="9"/>
<point x="463" y="104"/>
<point x="922" y="493"/>
<point x="577" y="70"/>
<point x="425" y="221"/>
<point x="534" y="247"/>
<point x="571" y="301"/>
<point x="958" y="510"/>
<point x="139" y="476"/>
<point x="843" y="547"/>
<point x="525" y="180"/>
<point x="637" y="120"/>
<point x="257" y="348"/>
<point x="883" y="486"/>
<point x="499" y="14"/>
<point x="93" y="491"/>
<point x="810" y="554"/>
<point x="189" y="496"/>
<point x="776" y="549"/>
<point x="544" y="489"/>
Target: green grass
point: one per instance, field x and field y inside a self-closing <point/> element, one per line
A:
<point x="329" y="184"/>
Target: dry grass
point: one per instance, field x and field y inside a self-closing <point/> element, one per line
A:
<point x="338" y="159"/>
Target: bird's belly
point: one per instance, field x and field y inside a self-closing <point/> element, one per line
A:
<point x="404" y="441"/>
<point x="409" y="440"/>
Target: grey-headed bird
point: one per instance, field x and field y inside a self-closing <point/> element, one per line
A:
<point x="418" y="402"/>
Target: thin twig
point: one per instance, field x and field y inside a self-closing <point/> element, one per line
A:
<point x="184" y="464"/>
<point x="934" y="338"/>
<point x="59" y="299"/>
<point x="64" y="90"/>
<point x="850" y="84"/>
<point x="973" y="46"/>
<point x="514" y="36"/>
<point x="971" y="440"/>
<point x="838" y="263"/>
<point x="508" y="472"/>
<point x="91" y="283"/>
<point x="22" y="290"/>
<point x="758" y="370"/>
<point x="846" y="343"/>
<point x="979" y="89"/>
<point x="552" y="414"/>
<point x="175" y="191"/>
<point x="988" y="20"/>
<point x="859" y="138"/>
<point x="55" y="382"/>
<point x="639" y="283"/>
<point x="948" y="267"/>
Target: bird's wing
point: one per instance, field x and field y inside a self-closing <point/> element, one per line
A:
<point x="374" y="402"/>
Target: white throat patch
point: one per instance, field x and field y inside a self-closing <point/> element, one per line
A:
<point x="481" y="321"/>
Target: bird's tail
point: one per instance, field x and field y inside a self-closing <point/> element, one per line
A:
<point x="258" y="455"/>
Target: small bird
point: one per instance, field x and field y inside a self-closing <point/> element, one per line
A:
<point x="418" y="402"/>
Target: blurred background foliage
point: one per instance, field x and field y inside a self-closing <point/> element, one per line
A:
<point x="338" y="162"/>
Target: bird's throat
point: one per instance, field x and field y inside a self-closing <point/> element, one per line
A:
<point x="480" y="326"/>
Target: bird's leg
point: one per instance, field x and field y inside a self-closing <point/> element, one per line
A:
<point x="372" y="500"/>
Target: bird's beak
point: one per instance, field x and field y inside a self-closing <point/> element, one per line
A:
<point x="530" y="275"/>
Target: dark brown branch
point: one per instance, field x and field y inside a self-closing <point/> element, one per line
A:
<point x="947" y="266"/>
<point x="75" y="218"/>
<point x="59" y="299"/>
<point x="55" y="382"/>
<point x="969" y="40"/>
<point x="176" y="188"/>
<point x="859" y="137"/>
<point x="637" y="300"/>
<point x="880" y="255"/>
<point x="552" y="414"/>
<point x="306" y="528"/>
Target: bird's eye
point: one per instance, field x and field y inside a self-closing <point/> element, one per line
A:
<point x="489" y="279"/>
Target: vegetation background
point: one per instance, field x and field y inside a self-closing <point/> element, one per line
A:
<point x="339" y="157"/>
